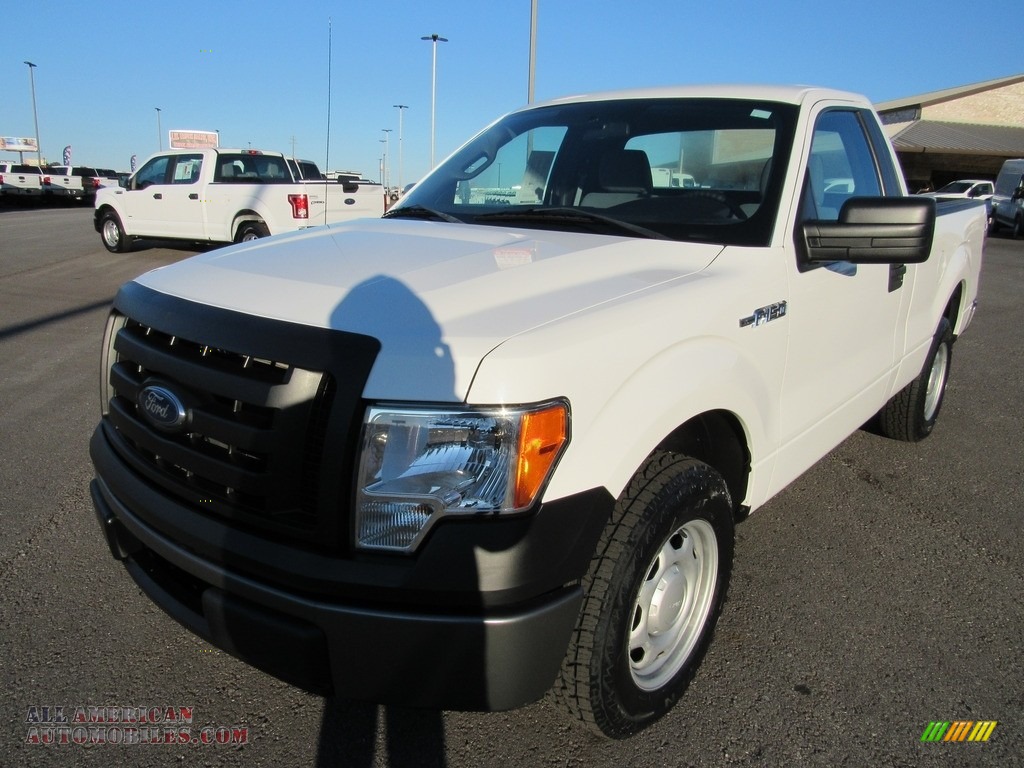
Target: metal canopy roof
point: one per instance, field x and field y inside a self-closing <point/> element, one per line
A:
<point x="961" y="138"/>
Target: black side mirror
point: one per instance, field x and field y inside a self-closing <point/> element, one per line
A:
<point x="874" y="230"/>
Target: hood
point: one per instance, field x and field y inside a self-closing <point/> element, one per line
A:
<point x="427" y="289"/>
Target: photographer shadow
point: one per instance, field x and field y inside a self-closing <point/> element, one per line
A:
<point x="411" y="340"/>
<point x="413" y="738"/>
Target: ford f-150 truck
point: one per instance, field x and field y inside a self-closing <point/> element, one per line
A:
<point x="221" y="195"/>
<point x="495" y="443"/>
<point x="20" y="182"/>
<point x="76" y="182"/>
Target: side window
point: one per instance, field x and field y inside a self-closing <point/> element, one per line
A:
<point x="153" y="172"/>
<point x="186" y="169"/>
<point x="841" y="166"/>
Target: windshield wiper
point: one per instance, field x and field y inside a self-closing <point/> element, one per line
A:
<point x="570" y="215"/>
<point x="420" y="212"/>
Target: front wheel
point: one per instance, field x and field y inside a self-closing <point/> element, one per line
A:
<point x="252" y="230"/>
<point x="654" y="591"/>
<point x="911" y="413"/>
<point x="112" y="233"/>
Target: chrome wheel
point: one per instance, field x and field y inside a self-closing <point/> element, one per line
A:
<point x="673" y="605"/>
<point x="111" y="234"/>
<point x="936" y="382"/>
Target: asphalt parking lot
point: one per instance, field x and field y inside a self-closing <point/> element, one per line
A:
<point x="878" y="593"/>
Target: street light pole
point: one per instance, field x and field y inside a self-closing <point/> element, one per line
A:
<point x="401" y="108"/>
<point x="533" y="50"/>
<point x="159" y="131"/>
<point x="387" y="150"/>
<point x="35" y="115"/>
<point x="435" y="39"/>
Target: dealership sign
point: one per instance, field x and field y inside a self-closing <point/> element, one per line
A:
<point x="15" y="144"/>
<point x="193" y="139"/>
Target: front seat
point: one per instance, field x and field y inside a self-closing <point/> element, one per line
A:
<point x="621" y="177"/>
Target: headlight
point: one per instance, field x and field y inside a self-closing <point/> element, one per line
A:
<point x="418" y="464"/>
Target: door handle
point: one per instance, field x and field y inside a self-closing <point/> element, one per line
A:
<point x="896" y="274"/>
<point x="194" y="196"/>
<point x="157" y="196"/>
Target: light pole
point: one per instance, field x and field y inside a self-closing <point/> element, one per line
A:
<point x="35" y="115"/>
<point x="401" y="108"/>
<point x="435" y="39"/>
<point x="383" y="163"/>
<point x="387" y="150"/>
<point x="159" y="131"/>
<point x="533" y="50"/>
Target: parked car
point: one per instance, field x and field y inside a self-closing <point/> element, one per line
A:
<point x="480" y="447"/>
<point x="972" y="189"/>
<point x="20" y="182"/>
<point x="1008" y="200"/>
<point x="222" y="195"/>
<point x="76" y="182"/>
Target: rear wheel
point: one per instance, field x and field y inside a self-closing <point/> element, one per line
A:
<point x="910" y="415"/>
<point x="112" y="233"/>
<point x="654" y="591"/>
<point x="1018" y="227"/>
<point x="252" y="230"/>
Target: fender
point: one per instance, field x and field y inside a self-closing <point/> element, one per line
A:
<point x="632" y="379"/>
<point x="684" y="381"/>
<point x="955" y="264"/>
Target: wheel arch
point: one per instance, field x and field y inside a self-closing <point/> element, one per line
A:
<point x="243" y="217"/>
<point x="100" y="212"/>
<point x="718" y="439"/>
<point x="954" y="307"/>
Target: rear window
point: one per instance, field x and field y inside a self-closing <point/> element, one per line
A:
<point x="251" y="169"/>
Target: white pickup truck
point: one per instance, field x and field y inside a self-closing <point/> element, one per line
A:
<point x="497" y="441"/>
<point x="76" y="182"/>
<point x="221" y="195"/>
<point x="20" y="182"/>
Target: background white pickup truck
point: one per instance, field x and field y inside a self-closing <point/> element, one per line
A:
<point x="76" y="182"/>
<point x="222" y="195"/>
<point x="497" y="442"/>
<point x="18" y="181"/>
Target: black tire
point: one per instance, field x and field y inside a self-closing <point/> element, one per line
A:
<point x="675" y="512"/>
<point x="112" y="234"/>
<point x="1018" y="227"/>
<point x="911" y="413"/>
<point x="252" y="230"/>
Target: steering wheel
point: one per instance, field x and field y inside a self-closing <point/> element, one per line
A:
<point x="721" y="199"/>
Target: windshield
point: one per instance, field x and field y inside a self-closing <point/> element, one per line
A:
<point x="708" y="170"/>
<point x="955" y="187"/>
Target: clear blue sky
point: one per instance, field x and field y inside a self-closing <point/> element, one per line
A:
<point x="258" y="71"/>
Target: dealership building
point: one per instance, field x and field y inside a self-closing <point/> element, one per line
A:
<point x="958" y="133"/>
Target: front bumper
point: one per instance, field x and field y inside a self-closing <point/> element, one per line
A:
<point x="501" y="653"/>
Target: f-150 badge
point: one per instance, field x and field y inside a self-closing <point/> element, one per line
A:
<point x="764" y="315"/>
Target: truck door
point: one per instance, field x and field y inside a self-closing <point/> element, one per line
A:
<point x="164" y="200"/>
<point x="843" y="317"/>
<point x="143" y="197"/>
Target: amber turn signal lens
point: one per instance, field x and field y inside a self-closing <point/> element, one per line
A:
<point x="541" y="437"/>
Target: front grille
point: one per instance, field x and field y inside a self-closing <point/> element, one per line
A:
<point x="252" y="448"/>
<point x="273" y="413"/>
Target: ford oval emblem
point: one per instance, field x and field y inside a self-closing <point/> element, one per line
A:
<point x="162" y="408"/>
